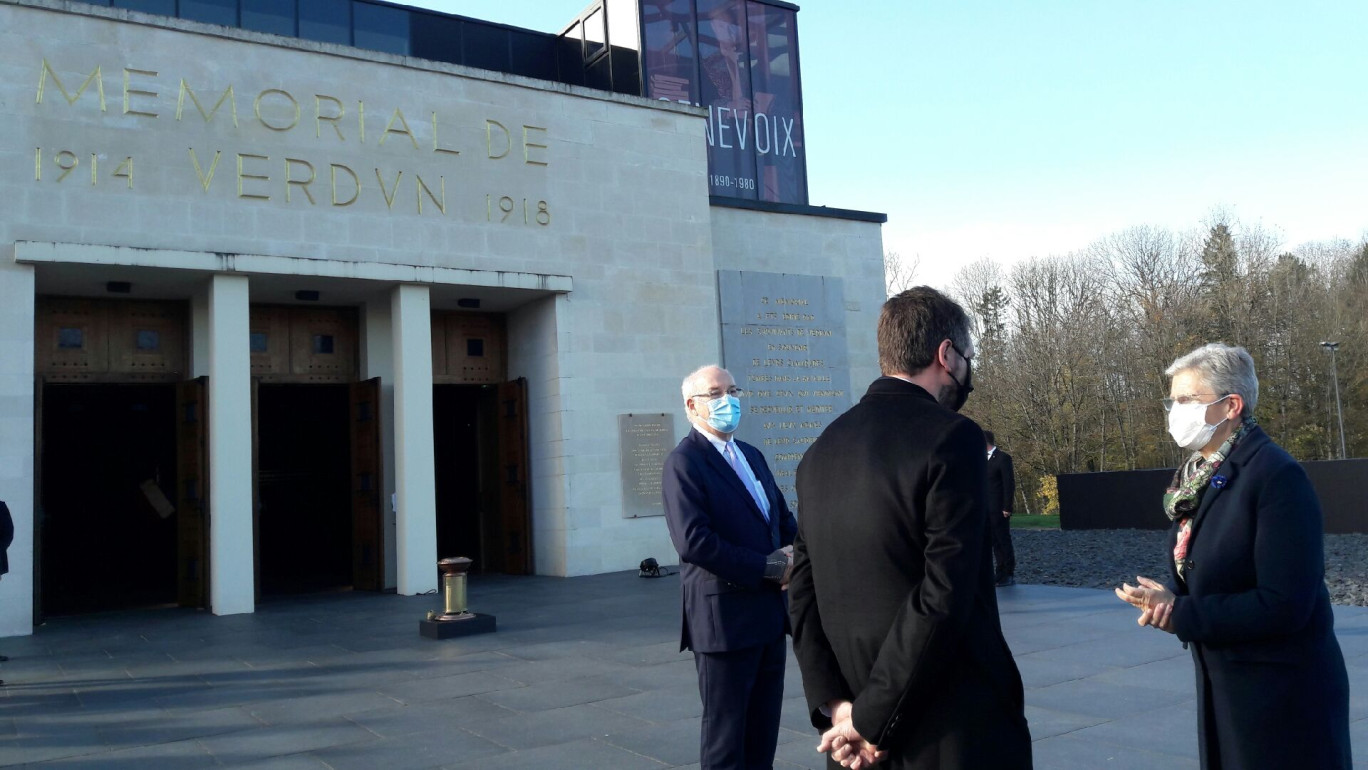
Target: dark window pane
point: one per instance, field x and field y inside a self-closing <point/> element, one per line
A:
<point x="327" y="21"/>
<point x="486" y="47"/>
<point x="148" y="339"/>
<point x="274" y="16"/>
<point x="380" y="28"/>
<point x="626" y="70"/>
<point x="777" y="96"/>
<point x="569" y="61"/>
<point x="71" y="338"/>
<point x="671" y="61"/>
<point x="533" y="54"/>
<point x="210" y="11"/>
<point x="435" y="37"/>
<point x="260" y="342"/>
<point x="599" y="75"/>
<point x="475" y="348"/>
<point x="161" y="7"/>
<point x="323" y="343"/>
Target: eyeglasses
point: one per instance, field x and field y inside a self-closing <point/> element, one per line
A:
<point x="733" y="391"/>
<point x="1193" y="398"/>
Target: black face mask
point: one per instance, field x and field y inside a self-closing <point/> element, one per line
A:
<point x="966" y="387"/>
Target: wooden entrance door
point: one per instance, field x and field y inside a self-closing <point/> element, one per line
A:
<point x="513" y="546"/>
<point x="192" y="498"/>
<point x="368" y="487"/>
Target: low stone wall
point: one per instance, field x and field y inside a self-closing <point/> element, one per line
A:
<point x="1131" y="499"/>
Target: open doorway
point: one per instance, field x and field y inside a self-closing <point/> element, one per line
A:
<point x="304" y="499"/>
<point x="109" y="526"/>
<point x="480" y="453"/>
<point x="463" y="457"/>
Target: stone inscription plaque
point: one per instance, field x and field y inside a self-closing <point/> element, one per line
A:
<point x="784" y="340"/>
<point x="643" y="440"/>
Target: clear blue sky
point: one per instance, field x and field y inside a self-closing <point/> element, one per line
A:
<point x="1018" y="128"/>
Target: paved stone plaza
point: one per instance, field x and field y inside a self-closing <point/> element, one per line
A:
<point x="583" y="673"/>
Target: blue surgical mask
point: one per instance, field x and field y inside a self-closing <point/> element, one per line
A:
<point x="724" y="414"/>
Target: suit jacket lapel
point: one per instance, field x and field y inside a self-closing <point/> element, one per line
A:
<point x="720" y="466"/>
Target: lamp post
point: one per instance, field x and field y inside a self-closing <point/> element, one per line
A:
<point x="1339" y="409"/>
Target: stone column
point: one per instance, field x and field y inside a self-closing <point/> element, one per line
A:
<point x="232" y="575"/>
<point x="16" y="440"/>
<point x="414" y="467"/>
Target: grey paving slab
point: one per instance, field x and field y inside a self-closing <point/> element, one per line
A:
<point x="582" y="754"/>
<point x="1071" y="752"/>
<point x="559" y="693"/>
<point x="171" y="756"/>
<point x="345" y="681"/>
<point x="554" y="726"/>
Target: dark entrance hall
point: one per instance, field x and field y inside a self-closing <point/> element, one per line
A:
<point x="304" y="515"/>
<point x="108" y="529"/>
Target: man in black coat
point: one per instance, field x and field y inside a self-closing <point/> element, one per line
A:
<point x="895" y="619"/>
<point x="733" y="530"/>
<point x="6" y="538"/>
<point x="1001" y="489"/>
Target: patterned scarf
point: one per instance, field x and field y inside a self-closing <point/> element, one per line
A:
<point x="1184" y="494"/>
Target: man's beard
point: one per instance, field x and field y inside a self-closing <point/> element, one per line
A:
<point x="945" y="396"/>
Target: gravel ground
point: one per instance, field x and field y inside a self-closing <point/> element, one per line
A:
<point x="1104" y="558"/>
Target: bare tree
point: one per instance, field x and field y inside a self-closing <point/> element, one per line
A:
<point x="899" y="274"/>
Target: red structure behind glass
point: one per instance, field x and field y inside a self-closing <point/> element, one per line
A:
<point x="738" y="58"/>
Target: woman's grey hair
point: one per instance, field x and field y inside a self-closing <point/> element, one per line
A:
<point x="1223" y="368"/>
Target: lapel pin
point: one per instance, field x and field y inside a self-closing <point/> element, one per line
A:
<point x="1218" y="482"/>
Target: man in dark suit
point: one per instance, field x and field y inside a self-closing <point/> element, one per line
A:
<point x="733" y="531"/>
<point x="895" y="619"/>
<point x="6" y="537"/>
<point x="1001" y="489"/>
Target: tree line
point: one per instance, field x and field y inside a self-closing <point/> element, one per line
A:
<point x="1072" y="349"/>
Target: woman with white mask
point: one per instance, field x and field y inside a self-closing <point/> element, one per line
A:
<point x="1246" y="590"/>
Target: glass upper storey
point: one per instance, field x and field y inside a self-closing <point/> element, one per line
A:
<point x="737" y="58"/>
<point x="397" y="29"/>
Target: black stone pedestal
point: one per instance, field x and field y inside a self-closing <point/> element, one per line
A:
<point x="447" y="629"/>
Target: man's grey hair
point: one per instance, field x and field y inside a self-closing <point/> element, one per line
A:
<point x="687" y="386"/>
<point x="1224" y="369"/>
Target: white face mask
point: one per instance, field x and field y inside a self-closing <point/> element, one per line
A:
<point x="1188" y="426"/>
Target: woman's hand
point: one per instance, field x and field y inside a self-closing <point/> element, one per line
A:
<point x="1154" y="601"/>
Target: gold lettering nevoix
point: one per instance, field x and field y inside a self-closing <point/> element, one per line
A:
<point x="129" y="92"/>
<point x="95" y="76"/>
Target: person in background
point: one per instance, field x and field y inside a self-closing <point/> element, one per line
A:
<point x="733" y="530"/>
<point x="6" y="538"/>
<point x="1246" y="590"/>
<point x="1001" y="490"/>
